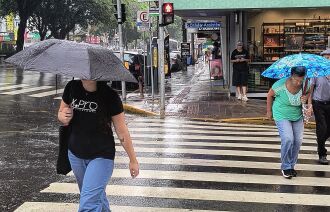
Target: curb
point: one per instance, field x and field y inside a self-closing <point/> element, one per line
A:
<point x="131" y="109"/>
<point x="260" y="121"/>
<point x="252" y="120"/>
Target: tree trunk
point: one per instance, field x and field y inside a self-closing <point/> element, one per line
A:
<point x="20" y="33"/>
<point x="42" y="35"/>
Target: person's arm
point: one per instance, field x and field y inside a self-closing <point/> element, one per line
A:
<point x="309" y="100"/>
<point x="126" y="142"/>
<point x="233" y="59"/>
<point x="310" y="94"/>
<point x="270" y="99"/>
<point x="65" y="113"/>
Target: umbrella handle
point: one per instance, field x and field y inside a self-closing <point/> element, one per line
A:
<point x="305" y="86"/>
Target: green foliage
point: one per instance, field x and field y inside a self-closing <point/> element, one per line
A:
<point x="7" y="7"/>
<point x="61" y="16"/>
<point x="175" y="29"/>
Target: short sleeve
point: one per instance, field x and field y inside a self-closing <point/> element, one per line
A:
<point x="67" y="96"/>
<point x="312" y="81"/>
<point x="233" y="55"/>
<point x="278" y="86"/>
<point x="115" y="103"/>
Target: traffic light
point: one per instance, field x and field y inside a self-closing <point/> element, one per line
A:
<point x="168" y="13"/>
<point x="123" y="13"/>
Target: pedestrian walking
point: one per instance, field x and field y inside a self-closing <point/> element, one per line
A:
<point x="320" y="100"/>
<point x="240" y="58"/>
<point x="89" y="108"/>
<point x="284" y="104"/>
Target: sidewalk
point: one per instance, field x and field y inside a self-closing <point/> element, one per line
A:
<point x="191" y="94"/>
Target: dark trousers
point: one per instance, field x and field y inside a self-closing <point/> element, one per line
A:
<point x="322" y="118"/>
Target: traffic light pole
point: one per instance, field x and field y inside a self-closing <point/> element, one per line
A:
<point x="121" y="46"/>
<point x="161" y="61"/>
<point x="150" y="54"/>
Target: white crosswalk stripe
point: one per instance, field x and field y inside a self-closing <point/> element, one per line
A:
<point x="37" y="91"/>
<point x="48" y="93"/>
<point x="212" y="163"/>
<point x="10" y="87"/>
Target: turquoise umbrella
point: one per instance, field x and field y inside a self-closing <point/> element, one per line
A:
<point x="316" y="66"/>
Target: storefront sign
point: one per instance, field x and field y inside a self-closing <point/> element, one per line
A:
<point x="203" y="26"/>
<point x="10" y="23"/>
<point x="185" y="52"/>
<point x="167" y="56"/>
<point x="7" y="36"/>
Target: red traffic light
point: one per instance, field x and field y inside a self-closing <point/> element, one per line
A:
<point x="168" y="8"/>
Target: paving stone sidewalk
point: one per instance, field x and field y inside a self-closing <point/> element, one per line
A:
<point x="192" y="94"/>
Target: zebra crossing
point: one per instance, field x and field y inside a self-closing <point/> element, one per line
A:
<point x="203" y="166"/>
<point x="31" y="91"/>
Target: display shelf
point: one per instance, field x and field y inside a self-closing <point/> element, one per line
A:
<point x="273" y="40"/>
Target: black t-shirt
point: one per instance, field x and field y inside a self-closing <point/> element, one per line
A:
<point x="216" y="52"/>
<point x="91" y="134"/>
<point x="240" y="66"/>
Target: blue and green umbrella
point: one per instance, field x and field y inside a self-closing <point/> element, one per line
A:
<point x="316" y="66"/>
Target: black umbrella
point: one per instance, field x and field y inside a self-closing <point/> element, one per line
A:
<point x="80" y="60"/>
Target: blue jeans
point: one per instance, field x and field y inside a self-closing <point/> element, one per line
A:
<point x="92" y="177"/>
<point x="291" y="133"/>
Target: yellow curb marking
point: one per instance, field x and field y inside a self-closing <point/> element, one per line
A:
<point x="132" y="109"/>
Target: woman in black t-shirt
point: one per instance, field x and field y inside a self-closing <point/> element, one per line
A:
<point x="89" y="107"/>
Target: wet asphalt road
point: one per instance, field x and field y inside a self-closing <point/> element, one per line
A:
<point x="209" y="166"/>
<point x="28" y="139"/>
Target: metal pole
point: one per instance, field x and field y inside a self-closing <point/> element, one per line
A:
<point x="121" y="47"/>
<point x="144" y="58"/>
<point x="150" y="54"/>
<point x="161" y="61"/>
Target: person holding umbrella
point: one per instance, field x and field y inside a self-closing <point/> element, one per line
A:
<point x="320" y="99"/>
<point x="286" y="110"/>
<point x="290" y="95"/>
<point x="90" y="107"/>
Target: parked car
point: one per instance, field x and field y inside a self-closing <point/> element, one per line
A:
<point x="133" y="61"/>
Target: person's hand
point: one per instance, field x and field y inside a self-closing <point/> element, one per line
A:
<point x="308" y="110"/>
<point x="134" y="169"/>
<point x="269" y="115"/>
<point x="303" y="99"/>
<point x="66" y="115"/>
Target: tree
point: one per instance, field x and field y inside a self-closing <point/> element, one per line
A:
<point x="61" y="16"/>
<point x="175" y="29"/>
<point x="40" y="19"/>
<point x="24" y="8"/>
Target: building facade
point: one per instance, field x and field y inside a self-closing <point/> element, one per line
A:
<point x="269" y="29"/>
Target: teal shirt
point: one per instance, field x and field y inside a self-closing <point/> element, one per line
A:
<point x="286" y="106"/>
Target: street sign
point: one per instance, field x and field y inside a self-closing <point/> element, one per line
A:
<point x="203" y="26"/>
<point x="142" y="21"/>
<point x="142" y="16"/>
<point x="185" y="51"/>
<point x="153" y="11"/>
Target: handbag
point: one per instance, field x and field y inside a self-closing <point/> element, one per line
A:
<point x="63" y="165"/>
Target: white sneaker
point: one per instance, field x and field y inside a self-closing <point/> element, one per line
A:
<point x="245" y="99"/>
<point x="239" y="97"/>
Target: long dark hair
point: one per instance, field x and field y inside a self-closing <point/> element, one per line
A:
<point x="299" y="71"/>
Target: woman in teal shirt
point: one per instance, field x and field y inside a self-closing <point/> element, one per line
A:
<point x="286" y="109"/>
